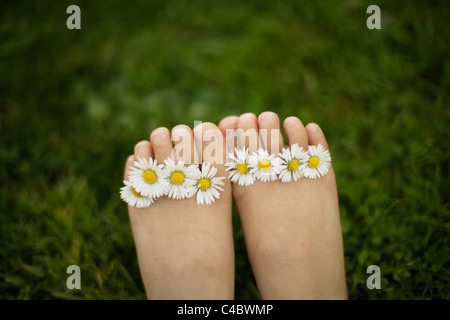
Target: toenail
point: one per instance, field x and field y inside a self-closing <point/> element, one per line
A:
<point x="179" y="131"/>
<point x="225" y="123"/>
<point x="141" y="147"/>
<point x="159" y="135"/>
<point x="313" y="128"/>
<point x="292" y="122"/>
<point x="267" y="118"/>
<point x="246" y="118"/>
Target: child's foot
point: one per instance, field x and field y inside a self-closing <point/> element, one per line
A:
<point x="185" y="250"/>
<point x="292" y="230"/>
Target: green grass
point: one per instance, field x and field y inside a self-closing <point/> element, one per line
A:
<point x="74" y="103"/>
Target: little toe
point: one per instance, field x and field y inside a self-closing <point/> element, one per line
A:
<point x="269" y="132"/>
<point x="295" y="132"/>
<point x="162" y="144"/>
<point x="143" y="149"/>
<point x="128" y="165"/>
<point x="315" y="135"/>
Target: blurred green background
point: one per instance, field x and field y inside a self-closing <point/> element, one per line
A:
<point x="74" y="103"/>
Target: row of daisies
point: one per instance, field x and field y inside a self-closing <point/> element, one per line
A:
<point x="149" y="180"/>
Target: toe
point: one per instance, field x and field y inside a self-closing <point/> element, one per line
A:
<point x="295" y="132"/>
<point x="128" y="166"/>
<point x="269" y="132"/>
<point x="162" y="144"/>
<point x="143" y="149"/>
<point x="229" y="126"/>
<point x="315" y="135"/>
<point x="248" y="135"/>
<point x="210" y="143"/>
<point x="228" y="123"/>
<point x="184" y="147"/>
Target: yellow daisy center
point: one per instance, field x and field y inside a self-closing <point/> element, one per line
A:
<point x="137" y="194"/>
<point x="177" y="177"/>
<point x="314" y="162"/>
<point x="293" y="165"/>
<point x="150" y="176"/>
<point x="242" y="168"/>
<point x="204" y="183"/>
<point x="264" y="165"/>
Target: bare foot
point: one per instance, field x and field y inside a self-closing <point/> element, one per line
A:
<point x="292" y="230"/>
<point x="185" y="250"/>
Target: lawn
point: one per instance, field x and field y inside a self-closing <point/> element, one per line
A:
<point x="74" y="102"/>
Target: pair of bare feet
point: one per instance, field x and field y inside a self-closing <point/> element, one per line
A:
<point x="292" y="230"/>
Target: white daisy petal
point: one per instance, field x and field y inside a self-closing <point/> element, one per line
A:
<point x="318" y="162"/>
<point x="180" y="179"/>
<point x="291" y="160"/>
<point x="148" y="178"/>
<point x="264" y="166"/>
<point x="238" y="167"/>
<point x="191" y="191"/>
<point x="134" y="198"/>
<point x="207" y="185"/>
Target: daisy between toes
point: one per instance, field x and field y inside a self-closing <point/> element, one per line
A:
<point x="149" y="180"/>
<point x="291" y="164"/>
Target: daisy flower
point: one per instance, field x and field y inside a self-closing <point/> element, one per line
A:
<point x="148" y="178"/>
<point x="238" y="167"/>
<point x="180" y="178"/>
<point x="317" y="163"/>
<point x="264" y="166"/>
<point x="134" y="198"/>
<point x="207" y="185"/>
<point x="290" y="163"/>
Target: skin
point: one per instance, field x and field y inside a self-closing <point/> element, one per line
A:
<point x="292" y="230"/>
<point x="185" y="250"/>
